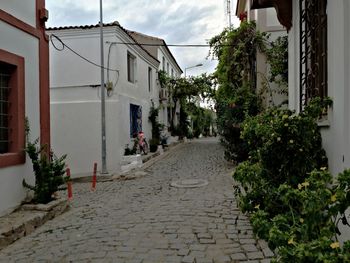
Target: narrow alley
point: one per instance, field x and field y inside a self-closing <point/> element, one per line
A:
<point x="147" y="220"/>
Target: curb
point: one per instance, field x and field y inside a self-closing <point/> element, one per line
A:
<point x="27" y="218"/>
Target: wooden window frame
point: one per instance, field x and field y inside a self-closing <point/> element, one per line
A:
<point x="15" y="154"/>
<point x="131" y="67"/>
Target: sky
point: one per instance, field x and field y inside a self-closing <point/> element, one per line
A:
<point x="176" y="21"/>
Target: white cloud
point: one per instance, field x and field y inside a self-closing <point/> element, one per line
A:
<point x="177" y="22"/>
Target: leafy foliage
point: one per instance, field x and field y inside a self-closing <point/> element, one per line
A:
<point x="187" y="92"/>
<point x="49" y="172"/>
<point x="295" y="203"/>
<point x="277" y="57"/>
<point x="235" y="74"/>
<point x="156" y="126"/>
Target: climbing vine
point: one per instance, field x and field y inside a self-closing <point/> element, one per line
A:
<point x="235" y="75"/>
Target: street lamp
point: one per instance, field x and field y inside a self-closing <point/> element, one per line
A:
<point x="198" y="65"/>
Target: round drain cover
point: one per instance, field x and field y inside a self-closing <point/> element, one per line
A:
<point x="189" y="183"/>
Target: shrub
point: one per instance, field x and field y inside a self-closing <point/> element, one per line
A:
<point x="49" y="172"/>
<point x="295" y="203"/>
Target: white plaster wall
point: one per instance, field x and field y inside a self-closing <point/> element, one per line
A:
<point x="21" y="9"/>
<point x="75" y="104"/>
<point x="271" y="18"/>
<point x="333" y="136"/>
<point x="19" y="43"/>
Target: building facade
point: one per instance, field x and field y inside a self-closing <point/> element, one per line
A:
<point x="130" y="76"/>
<point x="24" y="93"/>
<point x="169" y="110"/>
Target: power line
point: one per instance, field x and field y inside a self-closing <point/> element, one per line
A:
<point x="170" y="45"/>
<point x="163" y="45"/>
<point x="64" y="45"/>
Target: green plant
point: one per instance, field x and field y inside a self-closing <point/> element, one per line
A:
<point x="49" y="172"/>
<point x="153" y="118"/>
<point x="235" y="75"/>
<point x="295" y="203"/>
<point x="277" y="58"/>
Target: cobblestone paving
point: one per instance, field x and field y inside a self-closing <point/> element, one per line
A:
<point x="146" y="220"/>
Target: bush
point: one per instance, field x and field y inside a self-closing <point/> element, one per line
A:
<point x="49" y="172"/>
<point x="294" y="201"/>
<point x="231" y="114"/>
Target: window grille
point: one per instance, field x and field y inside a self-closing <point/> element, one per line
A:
<point x="4" y="112"/>
<point x="313" y="50"/>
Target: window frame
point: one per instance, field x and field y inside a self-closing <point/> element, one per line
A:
<point x="150" y="79"/>
<point x="131" y="67"/>
<point x="313" y="50"/>
<point x="15" y="154"/>
<point x="135" y="115"/>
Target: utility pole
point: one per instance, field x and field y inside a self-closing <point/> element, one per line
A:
<point x="229" y="12"/>
<point x="103" y="98"/>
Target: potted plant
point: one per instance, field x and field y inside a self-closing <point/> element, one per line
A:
<point x="153" y="144"/>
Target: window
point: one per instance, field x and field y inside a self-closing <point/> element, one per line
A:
<point x="131" y="68"/>
<point x="163" y="64"/>
<point x="135" y="120"/>
<point x="4" y="108"/>
<point x="12" y="109"/>
<point x="167" y="68"/>
<point x="149" y="79"/>
<point x="313" y="50"/>
<point x="172" y="73"/>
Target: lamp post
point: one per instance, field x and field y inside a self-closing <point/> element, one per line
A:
<point x="198" y="65"/>
<point x="103" y="100"/>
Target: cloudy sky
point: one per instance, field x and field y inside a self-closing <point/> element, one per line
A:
<point x="176" y="21"/>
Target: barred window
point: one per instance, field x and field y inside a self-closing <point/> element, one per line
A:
<point x="4" y="108"/>
<point x="12" y="109"/>
<point x="313" y="50"/>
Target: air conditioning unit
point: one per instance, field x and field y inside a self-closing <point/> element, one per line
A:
<point x="163" y="94"/>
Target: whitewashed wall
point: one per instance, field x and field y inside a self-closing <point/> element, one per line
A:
<point x="75" y="105"/>
<point x="19" y="43"/>
<point x="22" y="9"/>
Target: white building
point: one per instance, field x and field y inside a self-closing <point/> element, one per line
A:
<point x="24" y="92"/>
<point x="266" y="21"/>
<point x="159" y="49"/>
<point x="75" y="94"/>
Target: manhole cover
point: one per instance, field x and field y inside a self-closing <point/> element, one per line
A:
<point x="189" y="183"/>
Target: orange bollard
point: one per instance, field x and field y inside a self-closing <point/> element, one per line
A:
<point x="93" y="184"/>
<point x="69" y="185"/>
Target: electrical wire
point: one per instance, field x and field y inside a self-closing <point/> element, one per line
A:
<point x="168" y="45"/>
<point x="64" y="45"/>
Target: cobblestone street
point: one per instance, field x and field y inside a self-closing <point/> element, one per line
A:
<point x="147" y="220"/>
